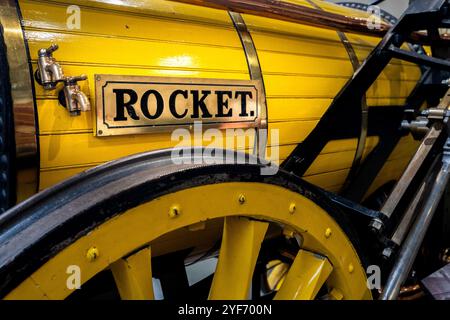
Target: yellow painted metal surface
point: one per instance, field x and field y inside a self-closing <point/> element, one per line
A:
<point x="303" y="69"/>
<point x="306" y="276"/>
<point x="241" y="242"/>
<point x="143" y="225"/>
<point x="133" y="276"/>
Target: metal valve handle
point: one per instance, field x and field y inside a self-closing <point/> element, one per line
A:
<point x="73" y="80"/>
<point x="49" y="51"/>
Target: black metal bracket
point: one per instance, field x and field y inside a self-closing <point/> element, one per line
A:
<point x="421" y="15"/>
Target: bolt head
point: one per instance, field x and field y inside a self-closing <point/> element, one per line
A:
<point x="387" y="253"/>
<point x="376" y="225"/>
<point x="92" y="254"/>
<point x="174" y="211"/>
<point x="292" y="207"/>
<point x="241" y="199"/>
<point x="328" y="233"/>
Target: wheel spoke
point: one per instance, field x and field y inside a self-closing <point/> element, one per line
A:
<point x="133" y="276"/>
<point x="277" y="275"/>
<point x="241" y="243"/>
<point x="305" y="277"/>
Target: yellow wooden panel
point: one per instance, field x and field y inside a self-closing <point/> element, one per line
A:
<point x="58" y="120"/>
<point x="328" y="87"/>
<point x="383" y="102"/>
<point x="53" y="16"/>
<point x="279" y="63"/>
<point x="348" y="144"/>
<point x="305" y="67"/>
<point x="331" y="162"/>
<point x="302" y="86"/>
<point x="291" y="132"/>
<point x="328" y="179"/>
<point x="67" y="150"/>
<point x="284" y="28"/>
<point x="162" y="8"/>
<point x="390" y="89"/>
<point x="289" y="109"/>
<point x="391" y="171"/>
<point x="49" y="178"/>
<point x="83" y="149"/>
<point x="341" y="159"/>
<point x="405" y="148"/>
<point x="298" y="44"/>
<point x="119" y="51"/>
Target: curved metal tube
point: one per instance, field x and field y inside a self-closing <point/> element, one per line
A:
<point x="288" y="11"/>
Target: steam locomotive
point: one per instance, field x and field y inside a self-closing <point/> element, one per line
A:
<point x="351" y="112"/>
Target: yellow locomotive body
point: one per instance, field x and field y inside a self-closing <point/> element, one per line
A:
<point x="303" y="69"/>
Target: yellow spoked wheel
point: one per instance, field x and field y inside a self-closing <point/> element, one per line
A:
<point x="267" y="232"/>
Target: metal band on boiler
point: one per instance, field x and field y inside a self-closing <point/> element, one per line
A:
<point x="255" y="74"/>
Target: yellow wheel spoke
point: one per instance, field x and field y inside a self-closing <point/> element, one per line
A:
<point x="306" y="276"/>
<point x="241" y="243"/>
<point x="133" y="276"/>
<point x="276" y="276"/>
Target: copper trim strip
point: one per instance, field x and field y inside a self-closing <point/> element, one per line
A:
<point x="292" y="12"/>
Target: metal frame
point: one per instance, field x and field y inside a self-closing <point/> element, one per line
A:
<point x="351" y="94"/>
<point x="429" y="16"/>
<point x="23" y="107"/>
<point x="361" y="145"/>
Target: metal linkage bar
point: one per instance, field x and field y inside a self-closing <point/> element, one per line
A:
<point x="419" y="58"/>
<point x="423" y="205"/>
<point x="417" y="233"/>
<point x="412" y="169"/>
<point x="414" y="165"/>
